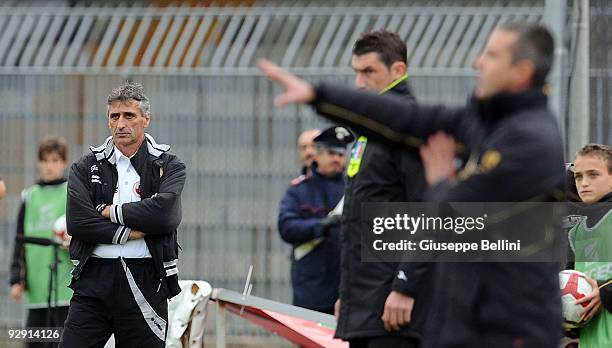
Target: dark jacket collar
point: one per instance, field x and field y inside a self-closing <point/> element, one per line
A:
<point x="595" y="212"/>
<point x="606" y="198"/>
<point x="497" y="107"/>
<point x="107" y="149"/>
<point x="52" y="182"/>
<point x="140" y="158"/>
<point x="402" y="88"/>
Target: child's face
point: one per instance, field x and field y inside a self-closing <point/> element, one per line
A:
<point x="592" y="178"/>
<point x="51" y="167"/>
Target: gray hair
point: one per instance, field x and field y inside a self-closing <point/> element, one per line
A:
<point x="130" y="91"/>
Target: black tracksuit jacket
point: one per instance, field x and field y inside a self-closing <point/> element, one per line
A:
<point x="386" y="174"/>
<point x="91" y="187"/>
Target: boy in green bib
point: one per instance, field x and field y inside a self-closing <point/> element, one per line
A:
<point x="591" y="241"/>
<point x="43" y="206"/>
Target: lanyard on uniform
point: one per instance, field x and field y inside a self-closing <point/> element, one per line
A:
<point x="359" y="147"/>
<point x="393" y="84"/>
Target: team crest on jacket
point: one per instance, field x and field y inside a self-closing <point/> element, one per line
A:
<point x="490" y="159"/>
<point x="136" y="189"/>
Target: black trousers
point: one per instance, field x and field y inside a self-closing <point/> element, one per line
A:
<point x="124" y="297"/>
<point x="513" y="305"/>
<point x="384" y="342"/>
<point x="38" y="318"/>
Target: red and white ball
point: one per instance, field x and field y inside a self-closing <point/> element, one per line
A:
<point x="59" y="229"/>
<point x="574" y="286"/>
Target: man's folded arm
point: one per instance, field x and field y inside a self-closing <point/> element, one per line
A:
<point x="84" y="222"/>
<point x="160" y="214"/>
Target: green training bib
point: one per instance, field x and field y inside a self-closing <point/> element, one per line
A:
<point x="595" y="244"/>
<point x="43" y="206"/>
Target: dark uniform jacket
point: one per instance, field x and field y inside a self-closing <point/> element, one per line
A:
<point x="385" y="174"/>
<point x="516" y="154"/>
<point x="308" y="200"/>
<point x="91" y="187"/>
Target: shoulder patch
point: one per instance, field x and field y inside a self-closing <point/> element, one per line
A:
<point x="300" y="179"/>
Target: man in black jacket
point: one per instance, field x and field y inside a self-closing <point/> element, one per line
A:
<point x="376" y="298"/>
<point x="516" y="154"/>
<point x="123" y="211"/>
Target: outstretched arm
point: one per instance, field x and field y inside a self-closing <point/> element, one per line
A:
<point x="385" y="117"/>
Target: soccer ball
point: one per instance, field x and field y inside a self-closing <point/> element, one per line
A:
<point x="574" y="286"/>
<point x="59" y="229"/>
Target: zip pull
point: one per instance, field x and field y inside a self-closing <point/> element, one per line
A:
<point x="159" y="286"/>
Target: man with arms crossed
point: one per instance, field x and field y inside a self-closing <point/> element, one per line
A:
<point x="124" y="206"/>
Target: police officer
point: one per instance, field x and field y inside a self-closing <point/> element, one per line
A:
<point x="304" y="223"/>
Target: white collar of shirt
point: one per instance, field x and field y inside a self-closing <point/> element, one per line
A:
<point x="119" y="156"/>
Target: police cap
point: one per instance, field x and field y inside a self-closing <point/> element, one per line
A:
<point x="334" y="139"/>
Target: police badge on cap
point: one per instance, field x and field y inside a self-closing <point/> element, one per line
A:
<point x="334" y="139"/>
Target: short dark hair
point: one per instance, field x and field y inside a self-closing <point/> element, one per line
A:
<point x="536" y="44"/>
<point x="388" y="45"/>
<point x="130" y="91"/>
<point x="51" y="144"/>
<point x="603" y="152"/>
